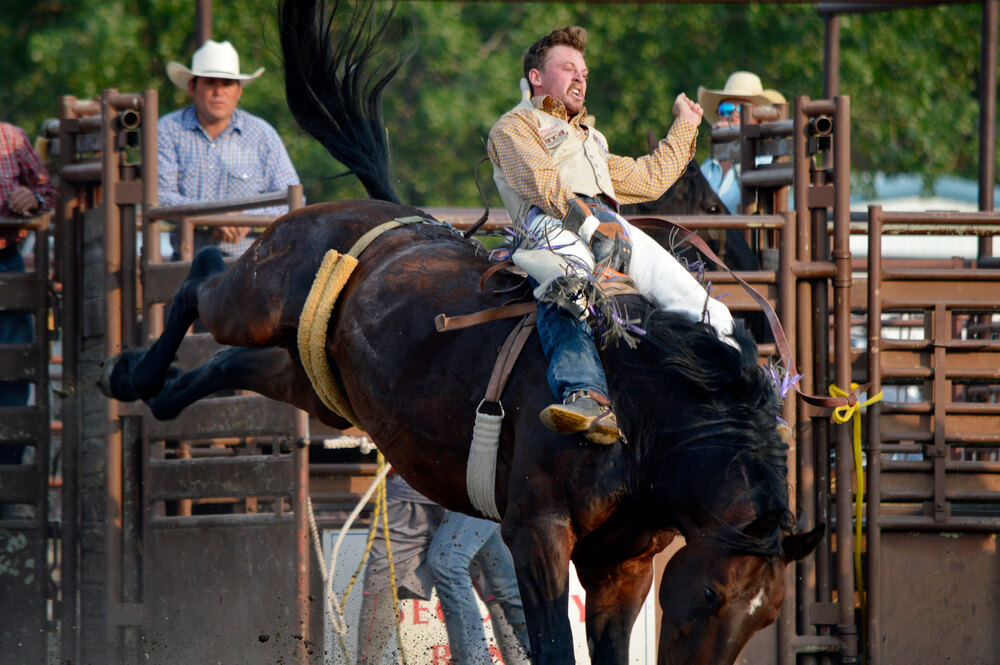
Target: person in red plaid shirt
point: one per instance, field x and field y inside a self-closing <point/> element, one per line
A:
<point x="25" y="191"/>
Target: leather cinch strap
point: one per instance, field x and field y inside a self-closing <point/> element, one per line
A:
<point x="481" y="468"/>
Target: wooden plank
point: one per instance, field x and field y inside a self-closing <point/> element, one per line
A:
<point x="20" y="362"/>
<point x="242" y="416"/>
<point x="254" y="475"/>
<point x="23" y="424"/>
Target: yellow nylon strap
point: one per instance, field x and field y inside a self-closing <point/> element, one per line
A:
<point x="841" y="415"/>
<point x="330" y="279"/>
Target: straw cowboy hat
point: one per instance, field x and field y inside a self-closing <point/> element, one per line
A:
<point x="212" y="60"/>
<point x="744" y="86"/>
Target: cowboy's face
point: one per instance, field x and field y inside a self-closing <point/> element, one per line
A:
<point x="214" y="99"/>
<point x="733" y="116"/>
<point x="563" y="77"/>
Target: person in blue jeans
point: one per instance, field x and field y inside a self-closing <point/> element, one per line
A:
<point x="461" y="540"/>
<point x="433" y="546"/>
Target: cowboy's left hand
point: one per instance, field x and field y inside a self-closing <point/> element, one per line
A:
<point x="686" y="108"/>
<point x="22" y="201"/>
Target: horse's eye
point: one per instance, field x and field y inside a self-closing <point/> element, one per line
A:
<point x="714" y="210"/>
<point x="712" y="599"/>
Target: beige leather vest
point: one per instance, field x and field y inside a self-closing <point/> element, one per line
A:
<point x="582" y="164"/>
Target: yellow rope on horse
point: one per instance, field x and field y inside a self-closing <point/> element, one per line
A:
<point x="841" y="415"/>
<point x="330" y="279"/>
<point x="313" y="322"/>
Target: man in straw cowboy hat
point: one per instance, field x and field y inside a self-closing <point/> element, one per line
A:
<point x="722" y="109"/>
<point x="212" y="151"/>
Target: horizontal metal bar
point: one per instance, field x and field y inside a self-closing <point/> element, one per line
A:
<point x="212" y="207"/>
<point x="362" y="469"/>
<point x="265" y="520"/>
<point x="243" y="416"/>
<point x="773" y="175"/>
<point x="82" y="172"/>
<point x="252" y="475"/>
<point x="696" y="222"/>
<point x="953" y="523"/>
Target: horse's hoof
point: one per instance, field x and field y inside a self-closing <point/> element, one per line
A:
<point x="104" y="382"/>
<point x="116" y="377"/>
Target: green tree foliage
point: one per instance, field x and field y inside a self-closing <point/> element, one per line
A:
<point x="912" y="75"/>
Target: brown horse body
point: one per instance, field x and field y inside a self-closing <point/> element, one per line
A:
<point x="415" y="390"/>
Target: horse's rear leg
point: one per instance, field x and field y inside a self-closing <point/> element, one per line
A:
<point x="269" y="372"/>
<point x="140" y="374"/>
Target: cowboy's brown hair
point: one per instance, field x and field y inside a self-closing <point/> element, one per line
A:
<point x="572" y="35"/>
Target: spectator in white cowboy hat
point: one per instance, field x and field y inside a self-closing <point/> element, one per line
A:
<point x="212" y="151"/>
<point x="722" y="109"/>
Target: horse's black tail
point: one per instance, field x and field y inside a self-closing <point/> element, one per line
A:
<point x="335" y="79"/>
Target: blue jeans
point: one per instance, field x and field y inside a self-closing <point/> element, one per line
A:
<point x="569" y="347"/>
<point x="15" y="328"/>
<point x="458" y="540"/>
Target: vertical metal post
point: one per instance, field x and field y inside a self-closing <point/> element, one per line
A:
<point x="301" y="505"/>
<point x="112" y="346"/>
<point x="842" y="359"/>
<point x="786" y="628"/>
<point x="152" y="314"/>
<point x="873" y="534"/>
<point x="987" y="116"/>
<point x="202" y="22"/>
<point x="831" y="56"/>
<point x="68" y="254"/>
<point x="804" y="437"/>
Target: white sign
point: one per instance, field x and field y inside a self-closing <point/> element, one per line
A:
<point x="425" y="640"/>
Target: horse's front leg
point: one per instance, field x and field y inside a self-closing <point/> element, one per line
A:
<point x="615" y="594"/>
<point x="541" y="548"/>
<point x="141" y="374"/>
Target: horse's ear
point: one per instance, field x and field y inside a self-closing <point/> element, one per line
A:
<point x="764" y="526"/>
<point x="800" y="545"/>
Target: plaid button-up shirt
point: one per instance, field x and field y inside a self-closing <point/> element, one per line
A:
<point x="20" y="166"/>
<point x="246" y="159"/>
<point x="516" y="147"/>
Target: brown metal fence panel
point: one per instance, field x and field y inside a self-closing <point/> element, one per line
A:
<point x="933" y="457"/>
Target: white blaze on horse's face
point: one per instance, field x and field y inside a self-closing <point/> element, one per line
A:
<point x="562" y="77"/>
<point x="756" y="602"/>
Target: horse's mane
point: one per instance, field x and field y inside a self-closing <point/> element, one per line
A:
<point x="718" y="421"/>
<point x="335" y="79"/>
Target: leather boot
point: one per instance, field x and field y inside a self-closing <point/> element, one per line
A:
<point x="583" y="411"/>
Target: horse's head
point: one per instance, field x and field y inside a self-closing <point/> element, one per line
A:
<point x="691" y="194"/>
<point x="714" y="598"/>
<point x="702" y="417"/>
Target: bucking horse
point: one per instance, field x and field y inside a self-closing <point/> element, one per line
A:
<point x="701" y="454"/>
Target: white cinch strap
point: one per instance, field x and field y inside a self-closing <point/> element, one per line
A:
<point x="480" y="474"/>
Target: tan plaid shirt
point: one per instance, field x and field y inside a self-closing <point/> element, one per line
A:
<point x="516" y="147"/>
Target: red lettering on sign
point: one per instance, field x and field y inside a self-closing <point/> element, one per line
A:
<point x="440" y="612"/>
<point x="440" y="654"/>
<point x="418" y="610"/>
<point x="580" y="606"/>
